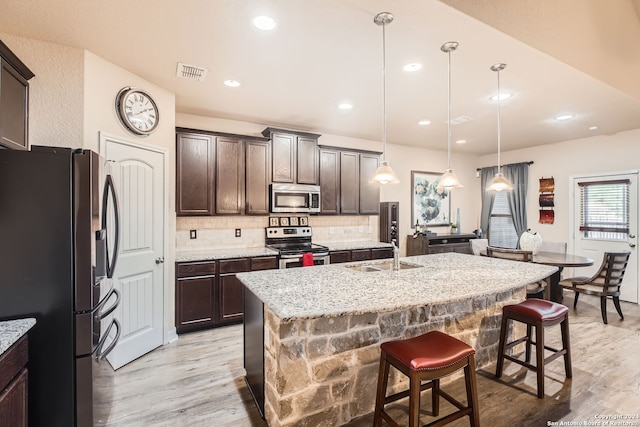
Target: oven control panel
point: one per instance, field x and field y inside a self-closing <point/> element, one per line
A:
<point x="275" y="232"/>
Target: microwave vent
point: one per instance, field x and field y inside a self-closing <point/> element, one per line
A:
<point x="191" y="72"/>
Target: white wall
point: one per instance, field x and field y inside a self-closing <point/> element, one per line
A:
<point x="56" y="93"/>
<point x="604" y="153"/>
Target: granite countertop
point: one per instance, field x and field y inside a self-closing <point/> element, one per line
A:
<point x="215" y="254"/>
<point x="334" y="290"/>
<point x="12" y="330"/>
<point x="343" y="246"/>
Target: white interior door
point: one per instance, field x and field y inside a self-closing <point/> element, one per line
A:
<point x="139" y="178"/>
<point x="594" y="244"/>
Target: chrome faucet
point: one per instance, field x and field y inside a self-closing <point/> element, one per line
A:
<point x="396" y="256"/>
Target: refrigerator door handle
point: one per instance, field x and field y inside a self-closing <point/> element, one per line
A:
<point x="102" y="314"/>
<point x="101" y="353"/>
<point x="109" y="187"/>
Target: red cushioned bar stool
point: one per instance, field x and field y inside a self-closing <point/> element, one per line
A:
<point x="428" y="357"/>
<point x="539" y="314"/>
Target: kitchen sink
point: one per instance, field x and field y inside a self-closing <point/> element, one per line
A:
<point x="381" y="266"/>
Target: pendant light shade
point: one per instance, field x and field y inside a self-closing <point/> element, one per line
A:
<point x="499" y="182"/>
<point x="449" y="179"/>
<point x="384" y="174"/>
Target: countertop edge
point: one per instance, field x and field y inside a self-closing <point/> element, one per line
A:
<point x="12" y="330"/>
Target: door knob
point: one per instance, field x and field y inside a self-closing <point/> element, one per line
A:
<point x="632" y="245"/>
<point x="160" y="260"/>
<point x="632" y="236"/>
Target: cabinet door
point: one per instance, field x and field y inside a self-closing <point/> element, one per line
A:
<point x="14" y="108"/>
<point x="349" y="182"/>
<point x="229" y="176"/>
<point x="283" y="146"/>
<point x="257" y="177"/>
<point x="13" y="402"/>
<point x="195" y="302"/>
<point x="329" y="181"/>
<point x="195" y="155"/>
<point x="231" y="301"/>
<point x="307" y="166"/>
<point x="369" y="191"/>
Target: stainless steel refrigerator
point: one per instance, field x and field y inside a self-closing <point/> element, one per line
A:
<point x="58" y="251"/>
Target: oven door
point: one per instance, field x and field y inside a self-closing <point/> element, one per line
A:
<point x="291" y="261"/>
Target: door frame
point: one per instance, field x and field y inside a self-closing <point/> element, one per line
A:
<point x="168" y="334"/>
<point x="572" y="211"/>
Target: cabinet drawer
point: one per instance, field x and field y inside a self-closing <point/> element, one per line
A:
<point x="338" y="257"/>
<point x="234" y="265"/>
<point x="380" y="253"/>
<point x="196" y="269"/>
<point x="12" y="361"/>
<point x="264" y="263"/>
<point x="360" y="254"/>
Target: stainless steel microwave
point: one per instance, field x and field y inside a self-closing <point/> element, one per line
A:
<point x="295" y="198"/>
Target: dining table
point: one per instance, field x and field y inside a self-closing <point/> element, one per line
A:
<point x="560" y="260"/>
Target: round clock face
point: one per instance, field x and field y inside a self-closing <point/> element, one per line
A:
<point x="137" y="111"/>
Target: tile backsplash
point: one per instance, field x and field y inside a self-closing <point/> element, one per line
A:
<point x="218" y="232"/>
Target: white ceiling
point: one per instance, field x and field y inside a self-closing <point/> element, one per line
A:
<point x="324" y="52"/>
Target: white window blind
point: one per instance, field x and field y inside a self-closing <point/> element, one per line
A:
<point x="604" y="209"/>
<point x="502" y="232"/>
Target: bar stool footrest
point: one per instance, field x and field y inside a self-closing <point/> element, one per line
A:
<point x="405" y="393"/>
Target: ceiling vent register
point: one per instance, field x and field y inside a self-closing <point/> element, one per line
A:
<point x="191" y="72"/>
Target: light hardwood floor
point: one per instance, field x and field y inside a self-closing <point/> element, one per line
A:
<point x="198" y="380"/>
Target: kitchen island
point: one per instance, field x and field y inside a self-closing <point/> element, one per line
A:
<point x="312" y="335"/>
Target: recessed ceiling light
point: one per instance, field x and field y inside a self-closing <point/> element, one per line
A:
<point x="563" y="117"/>
<point x="424" y="122"/>
<point x="232" y="83"/>
<point x="461" y="141"/>
<point x="593" y="128"/>
<point x="345" y="106"/>
<point x="264" y="23"/>
<point x="502" y="96"/>
<point x="412" y="67"/>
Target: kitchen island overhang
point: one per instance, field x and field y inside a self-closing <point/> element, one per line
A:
<point x="312" y="335"/>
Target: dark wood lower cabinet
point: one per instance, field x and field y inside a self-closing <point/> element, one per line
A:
<point x="423" y="245"/>
<point x="209" y="294"/>
<point x="364" y="254"/>
<point x="14" y="385"/>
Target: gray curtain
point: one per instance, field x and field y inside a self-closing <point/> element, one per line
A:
<point x="518" y="175"/>
<point x="486" y="175"/>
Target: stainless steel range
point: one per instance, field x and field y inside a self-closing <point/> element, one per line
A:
<point x="294" y="246"/>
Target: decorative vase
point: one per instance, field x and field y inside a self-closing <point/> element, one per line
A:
<point x="530" y="241"/>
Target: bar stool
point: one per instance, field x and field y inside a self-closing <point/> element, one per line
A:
<point x="429" y="357"/>
<point x="540" y="314"/>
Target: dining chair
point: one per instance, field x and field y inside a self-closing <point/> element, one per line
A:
<point x="478" y="245"/>
<point x="534" y="290"/>
<point x="604" y="283"/>
<point x="560" y="247"/>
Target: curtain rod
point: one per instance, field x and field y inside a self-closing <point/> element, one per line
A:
<point x="529" y="163"/>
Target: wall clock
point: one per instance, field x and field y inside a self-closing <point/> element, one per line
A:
<point x="137" y="111"/>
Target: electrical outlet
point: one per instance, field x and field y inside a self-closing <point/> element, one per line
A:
<point x="330" y="230"/>
<point x="238" y="232"/>
<point x="193" y="234"/>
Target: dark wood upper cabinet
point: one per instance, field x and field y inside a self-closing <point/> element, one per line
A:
<point x="295" y="156"/>
<point x="195" y="162"/>
<point x="229" y="176"/>
<point x="330" y="181"/>
<point x="349" y="182"/>
<point x="14" y="100"/>
<point x="369" y="191"/>
<point x="257" y="177"/>
<point x="283" y="157"/>
<point x="307" y="165"/>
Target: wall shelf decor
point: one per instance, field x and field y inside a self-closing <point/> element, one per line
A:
<point x="546" y="200"/>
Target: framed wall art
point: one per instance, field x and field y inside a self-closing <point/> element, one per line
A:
<point x="430" y="206"/>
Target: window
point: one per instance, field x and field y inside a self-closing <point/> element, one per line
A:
<point x="604" y="209"/>
<point x="502" y="232"/>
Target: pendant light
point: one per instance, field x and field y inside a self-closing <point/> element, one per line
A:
<point x="449" y="179"/>
<point x="499" y="182"/>
<point x="384" y="174"/>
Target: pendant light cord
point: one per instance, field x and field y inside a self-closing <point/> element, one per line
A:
<point x="499" y="131"/>
<point x="384" y="94"/>
<point x="449" y="116"/>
